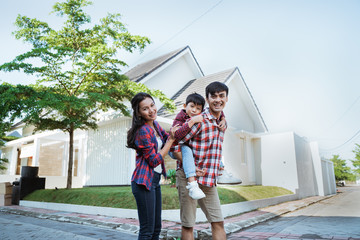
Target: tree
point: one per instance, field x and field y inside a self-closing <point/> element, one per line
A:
<point x="12" y="100"/>
<point x="80" y="74"/>
<point x="356" y="161"/>
<point x="342" y="172"/>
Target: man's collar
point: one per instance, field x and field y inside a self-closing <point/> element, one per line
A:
<point x="207" y="113"/>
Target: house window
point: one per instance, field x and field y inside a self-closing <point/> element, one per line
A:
<point x="242" y="150"/>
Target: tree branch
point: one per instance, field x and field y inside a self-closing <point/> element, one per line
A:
<point x="83" y="79"/>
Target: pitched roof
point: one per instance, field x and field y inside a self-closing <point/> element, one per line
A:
<point x="142" y="70"/>
<point x="198" y="86"/>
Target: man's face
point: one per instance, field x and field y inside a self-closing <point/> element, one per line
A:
<point x="217" y="101"/>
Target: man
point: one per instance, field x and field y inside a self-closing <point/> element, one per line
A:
<point x="206" y="141"/>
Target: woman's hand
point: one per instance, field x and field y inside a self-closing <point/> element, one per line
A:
<point x="172" y="131"/>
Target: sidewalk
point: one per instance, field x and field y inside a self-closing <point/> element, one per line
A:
<point x="171" y="229"/>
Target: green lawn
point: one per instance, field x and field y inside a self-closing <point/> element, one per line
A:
<point x="121" y="197"/>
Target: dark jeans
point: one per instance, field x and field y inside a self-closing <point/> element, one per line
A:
<point x="149" y="208"/>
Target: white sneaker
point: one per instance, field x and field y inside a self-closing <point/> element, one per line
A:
<point x="194" y="191"/>
<point x="228" y="178"/>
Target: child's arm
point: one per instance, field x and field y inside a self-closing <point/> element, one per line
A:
<point x="186" y="127"/>
<point x="222" y="125"/>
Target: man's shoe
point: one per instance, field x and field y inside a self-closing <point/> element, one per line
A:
<point x="194" y="191"/>
<point x="228" y="178"/>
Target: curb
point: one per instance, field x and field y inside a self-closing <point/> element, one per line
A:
<point x="267" y="213"/>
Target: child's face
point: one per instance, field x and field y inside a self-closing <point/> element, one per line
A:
<point x="193" y="109"/>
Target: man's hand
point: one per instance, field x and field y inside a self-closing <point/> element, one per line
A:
<point x="200" y="172"/>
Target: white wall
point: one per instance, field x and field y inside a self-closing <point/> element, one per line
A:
<point x="278" y="161"/>
<point x="328" y="176"/>
<point x="231" y="157"/>
<point x="256" y="147"/>
<point x="305" y="168"/>
<point x="240" y="117"/>
<point x="108" y="161"/>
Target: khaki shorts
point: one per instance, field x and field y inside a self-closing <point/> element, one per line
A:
<point x="210" y="205"/>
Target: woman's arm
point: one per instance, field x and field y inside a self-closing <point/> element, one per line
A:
<point x="169" y="142"/>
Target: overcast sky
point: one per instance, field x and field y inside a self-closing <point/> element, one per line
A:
<point x="299" y="58"/>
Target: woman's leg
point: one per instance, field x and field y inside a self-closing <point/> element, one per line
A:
<point x="158" y="207"/>
<point x="145" y="201"/>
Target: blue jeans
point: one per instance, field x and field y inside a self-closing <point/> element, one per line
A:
<point x="149" y="208"/>
<point x="188" y="161"/>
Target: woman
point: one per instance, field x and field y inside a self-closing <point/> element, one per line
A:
<point x="151" y="143"/>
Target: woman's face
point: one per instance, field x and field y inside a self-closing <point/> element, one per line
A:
<point x="148" y="110"/>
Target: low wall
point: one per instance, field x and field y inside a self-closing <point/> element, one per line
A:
<point x="50" y="183"/>
<point x="169" y="215"/>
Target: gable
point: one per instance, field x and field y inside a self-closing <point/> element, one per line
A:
<point x="241" y="109"/>
<point x="142" y="70"/>
<point x="167" y="73"/>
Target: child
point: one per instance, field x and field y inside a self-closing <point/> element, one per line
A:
<point x="193" y="107"/>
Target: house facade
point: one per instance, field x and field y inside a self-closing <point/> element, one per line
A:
<point x="250" y="151"/>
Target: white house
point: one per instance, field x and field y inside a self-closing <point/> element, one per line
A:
<point x="250" y="151"/>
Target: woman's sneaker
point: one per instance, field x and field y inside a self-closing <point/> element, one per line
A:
<point x="194" y="191"/>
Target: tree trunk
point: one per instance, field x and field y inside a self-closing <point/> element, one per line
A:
<point x="71" y="157"/>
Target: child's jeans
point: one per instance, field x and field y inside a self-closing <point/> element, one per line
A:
<point x="188" y="161"/>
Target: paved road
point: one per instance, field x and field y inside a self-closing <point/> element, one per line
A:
<point x="23" y="227"/>
<point x="334" y="218"/>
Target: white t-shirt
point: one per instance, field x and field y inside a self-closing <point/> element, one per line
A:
<point x="158" y="168"/>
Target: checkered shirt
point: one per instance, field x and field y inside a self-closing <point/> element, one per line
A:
<point x="180" y="119"/>
<point x="147" y="156"/>
<point x="206" y="140"/>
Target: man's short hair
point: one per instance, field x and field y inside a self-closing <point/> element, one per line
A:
<point x="197" y="99"/>
<point x="216" y="87"/>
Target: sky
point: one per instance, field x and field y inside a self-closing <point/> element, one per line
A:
<point x="299" y="58"/>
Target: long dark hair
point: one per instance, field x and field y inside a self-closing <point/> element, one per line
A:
<point x="137" y="120"/>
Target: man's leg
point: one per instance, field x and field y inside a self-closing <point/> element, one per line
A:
<point x="187" y="233"/>
<point x="187" y="207"/>
<point x="212" y="209"/>
<point x="218" y="231"/>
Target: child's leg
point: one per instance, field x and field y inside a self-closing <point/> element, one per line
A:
<point x="188" y="162"/>
<point x="189" y="168"/>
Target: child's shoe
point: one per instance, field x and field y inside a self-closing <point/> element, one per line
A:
<point x="194" y="191"/>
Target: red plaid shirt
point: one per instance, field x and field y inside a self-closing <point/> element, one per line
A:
<point x="147" y="156"/>
<point x="206" y="140"/>
<point x="180" y="119"/>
